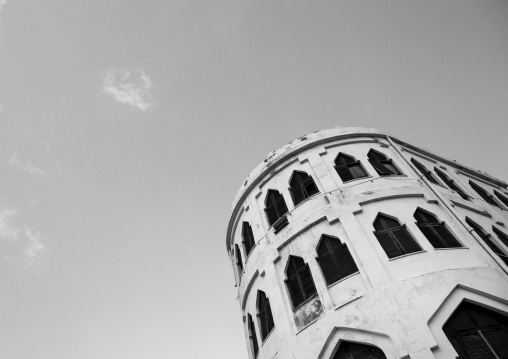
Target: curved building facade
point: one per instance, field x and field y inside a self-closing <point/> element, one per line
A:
<point x="349" y="243"/>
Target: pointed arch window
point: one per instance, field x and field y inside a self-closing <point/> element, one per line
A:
<point x="382" y="164"/>
<point x="348" y="350"/>
<point x="335" y="260"/>
<point x="501" y="198"/>
<point x="275" y="207"/>
<point x="252" y="336"/>
<point x="424" y="171"/>
<point x="393" y="237"/>
<point x="239" y="263"/>
<point x="486" y="238"/>
<point x="349" y="168"/>
<point x="451" y="183"/>
<point x="436" y="232"/>
<point x="247" y="237"/>
<point x="477" y="332"/>
<point x="299" y="281"/>
<point x="503" y="237"/>
<point x="483" y="193"/>
<point x="302" y="187"/>
<point x="265" y="315"/>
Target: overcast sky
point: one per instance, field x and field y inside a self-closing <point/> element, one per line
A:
<point x="127" y="127"/>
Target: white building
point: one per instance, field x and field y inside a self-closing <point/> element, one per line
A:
<point x="349" y="243"/>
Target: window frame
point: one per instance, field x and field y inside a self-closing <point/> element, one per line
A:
<point x="346" y="165"/>
<point x="393" y="237"/>
<point x="332" y="252"/>
<point x="278" y="224"/>
<point x="250" y="236"/>
<point x="251" y="330"/>
<point x="239" y="262"/>
<point x="264" y="314"/>
<point x="303" y="269"/>
<point x="306" y="195"/>
<point x="436" y="233"/>
<point x="382" y="163"/>
<point x="424" y="171"/>
<point x="501" y="197"/>
<point x="487" y="240"/>
<point x="452" y="184"/>
<point x="484" y="194"/>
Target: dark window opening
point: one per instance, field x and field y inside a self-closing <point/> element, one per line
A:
<point x="247" y="237"/>
<point x="275" y="206"/>
<point x="252" y="336"/>
<point x="239" y="263"/>
<point x="483" y="194"/>
<point x="486" y="238"/>
<point x="393" y="237"/>
<point x="436" y="232"/>
<point x="349" y="168"/>
<point x="382" y="164"/>
<point x="477" y="332"/>
<point x="503" y="237"/>
<point x="501" y="198"/>
<point x="302" y="187"/>
<point x="335" y="260"/>
<point x="451" y="183"/>
<point x="265" y="315"/>
<point x="348" y="350"/>
<point x="299" y="281"/>
<point x="424" y="171"/>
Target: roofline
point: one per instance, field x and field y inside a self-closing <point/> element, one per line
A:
<point x="364" y="132"/>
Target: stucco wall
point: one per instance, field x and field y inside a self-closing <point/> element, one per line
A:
<point x="390" y="303"/>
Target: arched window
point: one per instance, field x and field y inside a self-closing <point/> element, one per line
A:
<point x="436" y="232"/>
<point x="252" y="336"/>
<point x="486" y="238"/>
<point x="424" y="171"/>
<point x="275" y="206"/>
<point x="247" y="237"/>
<point x="335" y="260"/>
<point x="302" y="187"/>
<point x="483" y="194"/>
<point x="477" y="332"/>
<point x="451" y="183"/>
<point x="393" y="237"/>
<point x="503" y="237"/>
<point x="349" y="168"/>
<point x="264" y="314"/>
<point x="382" y="164"/>
<point x="501" y="198"/>
<point x="239" y="263"/>
<point x="299" y="281"/>
<point x="348" y="350"/>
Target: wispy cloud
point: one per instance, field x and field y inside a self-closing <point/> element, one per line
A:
<point x="2" y="3"/>
<point x="26" y="166"/>
<point x="129" y="86"/>
<point x="18" y="244"/>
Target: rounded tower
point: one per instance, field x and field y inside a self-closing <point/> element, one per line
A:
<point x="350" y="243"/>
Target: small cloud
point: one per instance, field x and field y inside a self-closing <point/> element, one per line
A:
<point x="130" y="87"/>
<point x="18" y="244"/>
<point x="6" y="231"/>
<point x="2" y="3"/>
<point x="26" y="166"/>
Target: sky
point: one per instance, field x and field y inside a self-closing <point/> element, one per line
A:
<point x="127" y="127"/>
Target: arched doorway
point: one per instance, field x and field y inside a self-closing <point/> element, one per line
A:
<point x="349" y="350"/>
<point x="477" y="332"/>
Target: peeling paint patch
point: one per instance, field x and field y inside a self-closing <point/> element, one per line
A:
<point x="308" y="312"/>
